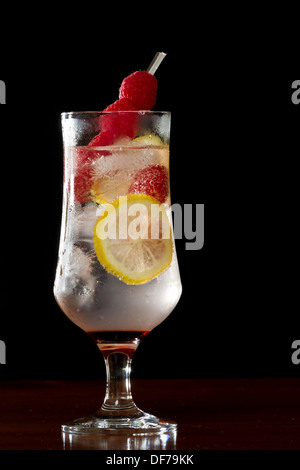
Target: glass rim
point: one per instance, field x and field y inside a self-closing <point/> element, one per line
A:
<point x="70" y="114"/>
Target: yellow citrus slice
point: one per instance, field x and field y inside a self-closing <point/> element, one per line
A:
<point x="133" y="238"/>
<point x="149" y="139"/>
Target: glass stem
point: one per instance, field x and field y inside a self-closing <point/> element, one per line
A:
<point x="118" y="399"/>
<point x="118" y="386"/>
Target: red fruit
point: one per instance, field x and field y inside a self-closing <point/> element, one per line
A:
<point x="119" y="125"/>
<point x="102" y="139"/>
<point x="83" y="178"/>
<point x="140" y="88"/>
<point x="82" y="184"/>
<point x="84" y="158"/>
<point x="152" y="181"/>
<point x="122" y="104"/>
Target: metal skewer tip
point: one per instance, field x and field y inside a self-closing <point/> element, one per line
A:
<point x="156" y="61"/>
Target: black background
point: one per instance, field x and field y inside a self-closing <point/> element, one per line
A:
<point x="234" y="147"/>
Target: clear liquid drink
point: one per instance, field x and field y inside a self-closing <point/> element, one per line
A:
<point x="117" y="274"/>
<point x="92" y="297"/>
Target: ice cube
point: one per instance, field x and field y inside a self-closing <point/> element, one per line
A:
<point x="126" y="159"/>
<point x="86" y="219"/>
<point x="112" y="185"/>
<point x="77" y="263"/>
<point x="78" y="279"/>
<point x="82" y="220"/>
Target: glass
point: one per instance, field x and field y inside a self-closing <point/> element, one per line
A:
<point x="119" y="441"/>
<point x="117" y="274"/>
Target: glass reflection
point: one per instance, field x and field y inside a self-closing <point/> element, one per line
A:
<point x="160" y="441"/>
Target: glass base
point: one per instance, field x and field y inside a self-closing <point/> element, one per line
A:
<point x="144" y="424"/>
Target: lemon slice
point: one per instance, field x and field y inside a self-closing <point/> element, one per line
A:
<point x="149" y="139"/>
<point x="133" y="238"/>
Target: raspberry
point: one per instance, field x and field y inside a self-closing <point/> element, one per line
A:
<point x="102" y="139"/>
<point x="122" y="104"/>
<point x="82" y="184"/>
<point x="140" y="88"/>
<point x="118" y="125"/>
<point x="152" y="181"/>
<point x="83" y="178"/>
